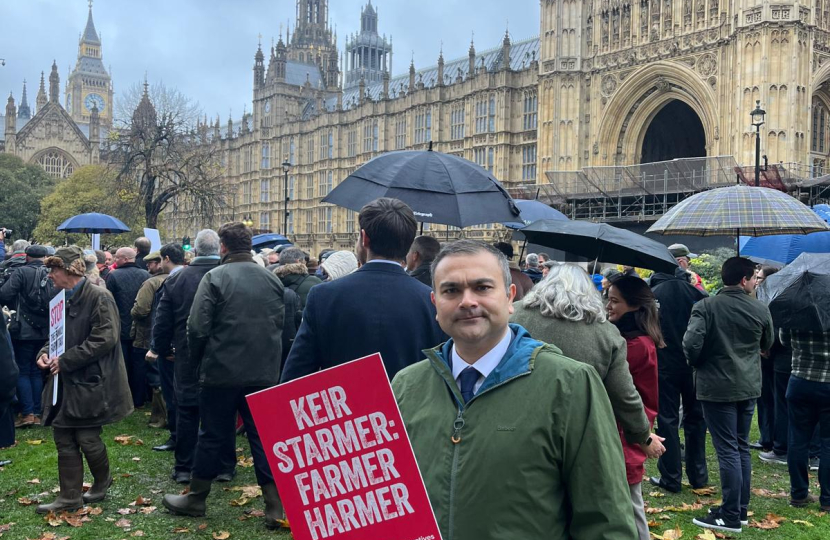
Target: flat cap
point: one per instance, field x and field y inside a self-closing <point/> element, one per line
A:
<point x="153" y="256"/>
<point x="36" y="251"/>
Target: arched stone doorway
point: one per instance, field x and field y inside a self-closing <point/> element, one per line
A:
<point x="675" y="132"/>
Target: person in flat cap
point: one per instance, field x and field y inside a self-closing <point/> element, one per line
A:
<point x="27" y="292"/>
<point x="683" y="257"/>
<point x="92" y="382"/>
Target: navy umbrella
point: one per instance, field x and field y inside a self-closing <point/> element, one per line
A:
<point x="268" y="240"/>
<point x="93" y="223"/>
<point x="799" y="295"/>
<point x="440" y="188"/>
<point x="534" y="211"/>
<point x="602" y="242"/>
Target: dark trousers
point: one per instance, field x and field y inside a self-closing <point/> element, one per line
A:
<point x="766" y="405"/>
<point x="136" y="364"/>
<point x="782" y="420"/>
<point x="809" y="406"/>
<point x="187" y="433"/>
<point x="168" y="390"/>
<point x="30" y="381"/>
<point x="729" y="423"/>
<point x="674" y="388"/>
<point x="153" y="375"/>
<point x="7" y="428"/>
<point x="217" y="437"/>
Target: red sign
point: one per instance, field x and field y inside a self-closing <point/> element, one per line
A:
<point x="341" y="457"/>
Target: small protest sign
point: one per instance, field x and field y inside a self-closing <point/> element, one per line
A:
<point x="57" y="333"/>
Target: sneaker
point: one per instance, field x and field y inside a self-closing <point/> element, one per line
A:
<point x="814" y="462"/>
<point x="772" y="457"/>
<point x="801" y="503"/>
<point x="715" y="510"/>
<point x="715" y="521"/>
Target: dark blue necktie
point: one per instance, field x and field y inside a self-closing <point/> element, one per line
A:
<point x="467" y="380"/>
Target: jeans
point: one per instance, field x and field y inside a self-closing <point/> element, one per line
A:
<point x="729" y="423"/>
<point x="168" y="390"/>
<point x="136" y="363"/>
<point x="809" y="406"/>
<point x="766" y="405"/>
<point x="30" y="381"/>
<point x="217" y="437"/>
<point x="674" y="387"/>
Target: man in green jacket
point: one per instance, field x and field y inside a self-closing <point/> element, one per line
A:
<point x="238" y="351"/>
<point x="723" y="344"/>
<point x="513" y="439"/>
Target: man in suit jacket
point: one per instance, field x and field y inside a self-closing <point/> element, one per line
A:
<point x="378" y="308"/>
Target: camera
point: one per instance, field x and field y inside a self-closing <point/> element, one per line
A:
<point x="6" y="232"/>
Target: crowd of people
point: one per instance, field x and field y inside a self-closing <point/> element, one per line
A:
<point x="553" y="374"/>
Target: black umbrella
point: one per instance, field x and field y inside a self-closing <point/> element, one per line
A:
<point x="602" y="242"/>
<point x="440" y="188"/>
<point x="799" y="295"/>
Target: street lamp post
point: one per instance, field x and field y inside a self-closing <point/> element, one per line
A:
<point x="286" y="168"/>
<point x="248" y="221"/>
<point x="758" y="121"/>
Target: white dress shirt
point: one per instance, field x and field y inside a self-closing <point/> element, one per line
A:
<point x="484" y="365"/>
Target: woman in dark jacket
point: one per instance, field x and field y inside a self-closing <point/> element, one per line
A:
<point x="633" y="310"/>
<point x="92" y="382"/>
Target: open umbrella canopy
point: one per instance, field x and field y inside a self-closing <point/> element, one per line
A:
<point x="440" y="188"/>
<point x="784" y="248"/>
<point x="268" y="240"/>
<point x="534" y="211"/>
<point x="739" y="210"/>
<point x="603" y="242"/>
<point x="799" y="295"/>
<point x="93" y="223"/>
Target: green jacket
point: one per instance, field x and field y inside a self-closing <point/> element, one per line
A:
<point x="295" y="276"/>
<point x="601" y="346"/>
<point x="536" y="456"/>
<point x="234" y="332"/>
<point x="723" y="343"/>
<point x="142" y="311"/>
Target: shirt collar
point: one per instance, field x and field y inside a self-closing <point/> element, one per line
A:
<point x="396" y="263"/>
<point x="175" y="269"/>
<point x="486" y="363"/>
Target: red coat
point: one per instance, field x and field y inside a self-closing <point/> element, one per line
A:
<point x="642" y="363"/>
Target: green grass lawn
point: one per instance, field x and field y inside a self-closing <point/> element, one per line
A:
<point x="140" y="472"/>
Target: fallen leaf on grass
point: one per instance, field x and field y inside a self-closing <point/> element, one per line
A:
<point x="123" y="523"/>
<point x="245" y="462"/>
<point x="138" y="533"/>
<point x="248" y="514"/>
<point x="127" y="440"/>
<point x="50" y="536"/>
<point x="5" y="527"/>
<point x="769" y="494"/>
<point x="685" y="507"/>
<point x="653" y="523"/>
<point x="136" y="459"/>
<point x="221" y="535"/>
<point x="772" y="521"/>
<point x="655" y="510"/>
<point x="125" y="511"/>
<point x="242" y="501"/>
<point x="656" y="494"/>
<point x="802" y="522"/>
<point x="33" y="481"/>
<point x="148" y="510"/>
<point x="817" y="514"/>
<point x="180" y="530"/>
<point x="706" y="535"/>
<point x="26" y="501"/>
<point x="96" y="511"/>
<point x="671" y="534"/>
<point x="52" y="520"/>
<point x="141" y="501"/>
<point x="202" y="527"/>
<point x="125" y="475"/>
<point x="708" y="490"/>
<point x="250" y="492"/>
<point x="34" y="442"/>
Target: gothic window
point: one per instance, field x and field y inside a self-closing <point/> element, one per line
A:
<point x="309" y="187"/>
<point x="56" y="164"/>
<point x="457" y="123"/>
<point x="423" y="127"/>
<point x="291" y="148"/>
<point x="492" y="115"/>
<point x="265" y="191"/>
<point x="400" y="134"/>
<point x="352" y="143"/>
<point x="531" y="106"/>
<point x="331" y="144"/>
<point x="290" y="223"/>
<point x="819" y="142"/>
<point x="309" y="221"/>
<point x="247" y="164"/>
<point x="291" y="181"/>
<point x="246" y="193"/>
<point x="266" y="156"/>
<point x="529" y="163"/>
<point x="350" y="221"/>
<point x="324" y="220"/>
<point x="265" y="221"/>
<point x="375" y="136"/>
<point x="309" y="149"/>
<point x="491" y="159"/>
<point x="481" y="116"/>
<point x="480" y="156"/>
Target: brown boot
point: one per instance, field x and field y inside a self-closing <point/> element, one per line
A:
<point x="24" y="421"/>
<point x="71" y="474"/>
<point x="99" y="466"/>
<point x="193" y="503"/>
<point x="274" y="512"/>
<point x="158" y="410"/>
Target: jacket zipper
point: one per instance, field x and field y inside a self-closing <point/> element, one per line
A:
<point x="457" y="426"/>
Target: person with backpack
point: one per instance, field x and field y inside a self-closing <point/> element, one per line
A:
<point x="294" y="275"/>
<point x="27" y="292"/>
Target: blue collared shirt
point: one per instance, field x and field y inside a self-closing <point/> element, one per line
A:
<point x="484" y="365"/>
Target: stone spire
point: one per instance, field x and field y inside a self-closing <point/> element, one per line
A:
<point x="412" y="73"/>
<point x="281" y="60"/>
<point x="505" y="51"/>
<point x="230" y="126"/>
<point x="385" y="85"/>
<point x="441" y="67"/>
<point x="144" y="116"/>
<point x="24" y="111"/>
<point x="90" y="34"/>
<point x="41" y="94"/>
<point x="11" y="125"/>
<point x="259" y="67"/>
<point x="94" y="126"/>
<point x="471" y="70"/>
<point x="54" y="84"/>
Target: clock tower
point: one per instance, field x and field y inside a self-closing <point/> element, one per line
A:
<point x="89" y="85"/>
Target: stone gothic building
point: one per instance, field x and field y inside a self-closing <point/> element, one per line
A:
<point x="63" y="138"/>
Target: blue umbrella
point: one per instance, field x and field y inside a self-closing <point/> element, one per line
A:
<point x="534" y="211"/>
<point x="269" y="240"/>
<point x="93" y="224"/>
<point x="786" y="248"/>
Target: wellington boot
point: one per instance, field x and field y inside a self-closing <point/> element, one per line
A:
<point x="274" y="512"/>
<point x="193" y="503"/>
<point x="158" y="410"/>
<point x="71" y="474"/>
<point x="99" y="465"/>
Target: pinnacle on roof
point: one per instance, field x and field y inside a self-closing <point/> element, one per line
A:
<point x="23" y="102"/>
<point x="90" y="35"/>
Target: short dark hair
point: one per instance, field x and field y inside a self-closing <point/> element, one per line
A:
<point x="735" y="269"/>
<point x="292" y="255"/>
<point x="543" y="255"/>
<point x="235" y="236"/>
<point x="390" y="226"/>
<point x="100" y="256"/>
<point x="142" y="244"/>
<point x="769" y="270"/>
<point x="427" y="247"/>
<point x="472" y="247"/>
<point x="174" y="251"/>
<point x="506" y="248"/>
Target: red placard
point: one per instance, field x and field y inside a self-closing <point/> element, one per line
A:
<point x="341" y="457"/>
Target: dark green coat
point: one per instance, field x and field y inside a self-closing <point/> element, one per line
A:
<point x="723" y="344"/>
<point x="537" y="453"/>
<point x="234" y="332"/>
<point x="295" y="277"/>
<point x="93" y="387"/>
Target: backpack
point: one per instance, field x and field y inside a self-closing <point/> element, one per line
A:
<point x="35" y="300"/>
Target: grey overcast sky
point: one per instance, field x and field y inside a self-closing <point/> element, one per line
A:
<point x="205" y="48"/>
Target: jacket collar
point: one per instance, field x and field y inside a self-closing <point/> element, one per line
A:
<point x="237" y="256"/>
<point x="127" y="265"/>
<point x="382" y="267"/>
<point x="518" y="360"/>
<point x="293" y="269"/>
<point x="205" y="261"/>
<point x="733" y="290"/>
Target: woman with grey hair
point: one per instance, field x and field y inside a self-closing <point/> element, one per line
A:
<point x="92" y="274"/>
<point x="566" y="310"/>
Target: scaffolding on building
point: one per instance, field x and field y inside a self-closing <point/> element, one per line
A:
<point x="647" y="191"/>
